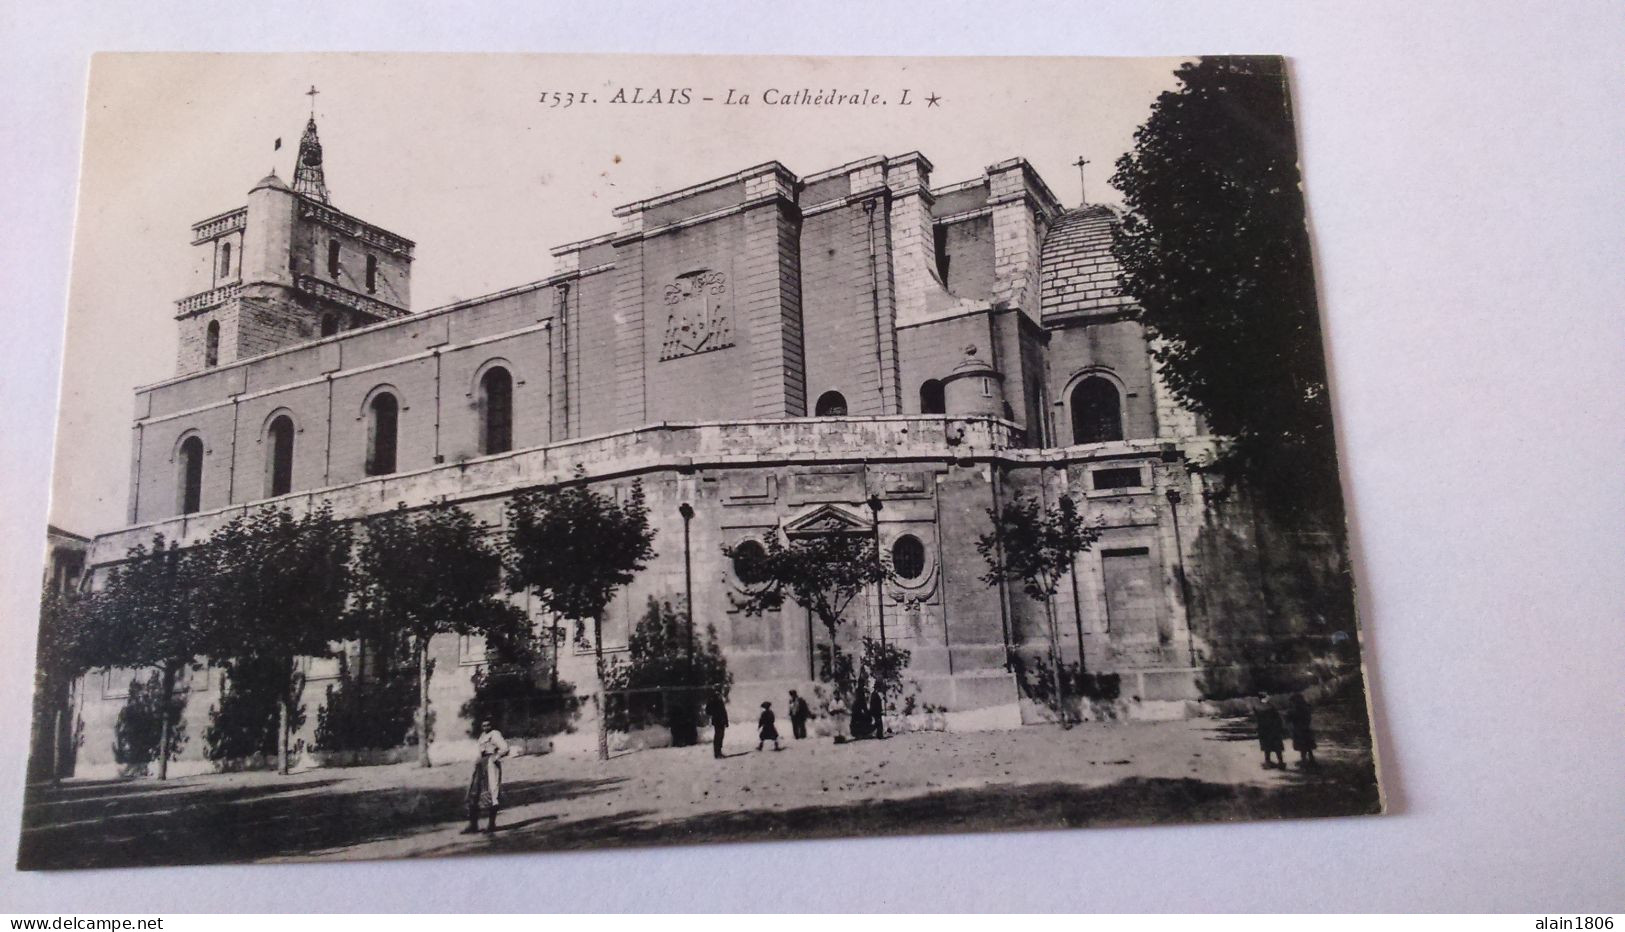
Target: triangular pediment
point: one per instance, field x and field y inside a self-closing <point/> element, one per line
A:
<point x="827" y="519"/>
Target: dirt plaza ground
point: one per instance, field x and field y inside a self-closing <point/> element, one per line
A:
<point x="1034" y="777"/>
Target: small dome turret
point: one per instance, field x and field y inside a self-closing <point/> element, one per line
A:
<point x="974" y="388"/>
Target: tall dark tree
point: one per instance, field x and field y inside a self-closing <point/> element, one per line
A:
<point x="276" y="589"/>
<point x="824" y="574"/>
<point x="1036" y="547"/>
<point x="67" y="649"/>
<point x="575" y="548"/>
<point x="1215" y="250"/>
<point x="425" y="573"/>
<point x="151" y="614"/>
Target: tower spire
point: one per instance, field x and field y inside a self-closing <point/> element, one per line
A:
<point x="308" y="178"/>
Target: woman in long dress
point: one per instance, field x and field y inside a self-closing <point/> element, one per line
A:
<point x="1271" y="731"/>
<point x="1302" y="724"/>
<point x="485" y="786"/>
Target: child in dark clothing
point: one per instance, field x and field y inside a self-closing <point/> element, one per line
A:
<point x="765" y="729"/>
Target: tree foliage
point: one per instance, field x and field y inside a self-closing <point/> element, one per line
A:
<point x="66" y="648"/>
<point x="1214" y="249"/>
<point x="1035" y="547"/>
<point x="423" y="573"/>
<point x="665" y="681"/>
<point x="276" y="591"/>
<point x="150" y="725"/>
<point x="575" y="547"/>
<point x="824" y="573"/>
<point x="151" y="613"/>
<point x="1032" y="545"/>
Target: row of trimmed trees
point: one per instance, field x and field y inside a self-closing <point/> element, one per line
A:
<point x="268" y="590"/>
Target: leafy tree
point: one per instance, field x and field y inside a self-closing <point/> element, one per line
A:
<point x="276" y="592"/>
<point x="428" y="572"/>
<point x="822" y="573"/>
<point x="150" y="726"/>
<point x="151" y="614"/>
<point x="574" y="548"/>
<point x="67" y="648"/>
<point x="506" y="691"/>
<point x="1215" y="251"/>
<point x="1036" y="546"/>
<point x="367" y="711"/>
<point x="248" y="719"/>
<point x="664" y="680"/>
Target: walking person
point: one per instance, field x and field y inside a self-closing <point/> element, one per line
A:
<point x="1271" y="731"/>
<point x="877" y="712"/>
<point x="717" y="711"/>
<point x="799" y="713"/>
<point x="485" y="785"/>
<point x="1300" y="721"/>
<point x="766" y="730"/>
<point x="860" y="713"/>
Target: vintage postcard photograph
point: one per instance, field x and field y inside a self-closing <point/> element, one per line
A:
<point x="465" y="454"/>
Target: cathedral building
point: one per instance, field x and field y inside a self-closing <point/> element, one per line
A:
<point x="860" y="350"/>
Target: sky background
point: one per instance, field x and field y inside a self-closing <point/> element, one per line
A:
<point x="458" y="154"/>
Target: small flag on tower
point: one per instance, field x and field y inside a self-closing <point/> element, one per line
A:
<point x="278" y="145"/>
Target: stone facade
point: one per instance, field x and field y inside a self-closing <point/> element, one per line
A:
<point x="767" y="349"/>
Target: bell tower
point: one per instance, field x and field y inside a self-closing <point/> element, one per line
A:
<point x="286" y="268"/>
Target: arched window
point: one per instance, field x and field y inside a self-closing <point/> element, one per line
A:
<point x="279" y="462"/>
<point x="190" y="492"/>
<point x="330" y="324"/>
<point x="496" y="411"/>
<point x="383" y="413"/>
<point x="1097" y="411"/>
<point x="931" y="398"/>
<point x="830" y="404"/>
<point x="332" y="258"/>
<point x="225" y="260"/>
<point x="748" y="558"/>
<point x="211" y="344"/>
<point x="908" y="558"/>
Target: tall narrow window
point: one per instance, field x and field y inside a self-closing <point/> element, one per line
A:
<point x="830" y="404"/>
<point x="279" y="466"/>
<point x="330" y="324"/>
<point x="496" y="411"/>
<point x="1097" y="411"/>
<point x="940" y="241"/>
<point x="225" y="260"/>
<point x="372" y="274"/>
<point x="382" y="416"/>
<point x="191" y="475"/>
<point x="931" y="398"/>
<point x="332" y="258"/>
<point x="211" y="344"/>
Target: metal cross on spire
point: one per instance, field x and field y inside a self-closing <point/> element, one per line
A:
<point x="1083" y="190"/>
<point x="308" y="176"/>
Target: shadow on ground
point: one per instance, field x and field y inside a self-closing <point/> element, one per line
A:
<point x="123" y="824"/>
<point x="1133" y="801"/>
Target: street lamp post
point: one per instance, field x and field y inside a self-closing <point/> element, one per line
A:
<point x="687" y="511"/>
<point x="1174" y="498"/>
<point x="880" y="589"/>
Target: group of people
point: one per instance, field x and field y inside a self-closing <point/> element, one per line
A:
<point x="1273" y="730"/>
<point x="767" y="728"/>
<point x="868" y="721"/>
